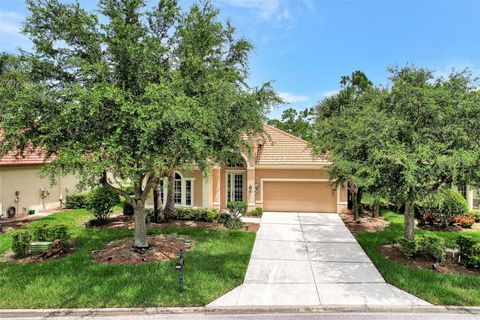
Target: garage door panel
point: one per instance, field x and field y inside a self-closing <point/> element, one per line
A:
<point x="303" y="196"/>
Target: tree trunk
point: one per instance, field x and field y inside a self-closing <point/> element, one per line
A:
<point x="356" y="215"/>
<point x="409" y="219"/>
<point x="159" y="213"/>
<point x="170" y="206"/>
<point x="140" y="240"/>
<point x="376" y="209"/>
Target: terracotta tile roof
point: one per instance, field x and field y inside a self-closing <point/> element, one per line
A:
<point x="283" y="148"/>
<point x="29" y="156"/>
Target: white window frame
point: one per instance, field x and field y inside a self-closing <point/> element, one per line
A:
<point x="232" y="183"/>
<point x="183" y="187"/>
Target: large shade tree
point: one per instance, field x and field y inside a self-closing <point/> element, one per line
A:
<point x="132" y="92"/>
<point x="345" y="128"/>
<point x="405" y="142"/>
<point x="432" y="136"/>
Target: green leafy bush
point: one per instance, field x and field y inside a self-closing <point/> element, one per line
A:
<point x="408" y="247"/>
<point x="128" y="209"/>
<point x="21" y="242"/>
<point x="469" y="251"/>
<point x="224" y="217"/>
<point x="195" y="214"/>
<point x="100" y="202"/>
<point x="234" y="224"/>
<point x="475" y="215"/>
<point x="237" y="208"/>
<point x="257" y="212"/>
<point x="149" y="215"/>
<point x="443" y="205"/>
<point x="76" y="200"/>
<point x="432" y="246"/>
<point x="47" y="232"/>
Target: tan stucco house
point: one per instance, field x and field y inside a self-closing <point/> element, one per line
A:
<point x="281" y="174"/>
<point x="22" y="189"/>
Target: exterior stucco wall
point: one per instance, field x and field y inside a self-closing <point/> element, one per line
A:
<point x="26" y="180"/>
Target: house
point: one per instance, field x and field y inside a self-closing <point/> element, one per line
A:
<point x="281" y="174"/>
<point x="22" y="189"/>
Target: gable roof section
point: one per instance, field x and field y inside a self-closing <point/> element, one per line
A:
<point x="282" y="148"/>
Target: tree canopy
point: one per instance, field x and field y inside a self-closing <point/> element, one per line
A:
<point x="132" y="91"/>
<point x="406" y="141"/>
<point x="298" y="123"/>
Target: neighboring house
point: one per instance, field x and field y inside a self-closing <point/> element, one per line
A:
<point x="282" y="174"/>
<point x="22" y="189"/>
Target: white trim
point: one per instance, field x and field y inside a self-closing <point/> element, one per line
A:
<point x="342" y="203"/>
<point x="285" y="180"/>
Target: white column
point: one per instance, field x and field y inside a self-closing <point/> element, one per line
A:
<point x="206" y="189"/>
<point x="251" y="188"/>
<point x="470" y="197"/>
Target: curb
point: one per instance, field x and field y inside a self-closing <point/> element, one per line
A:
<point x="112" y="312"/>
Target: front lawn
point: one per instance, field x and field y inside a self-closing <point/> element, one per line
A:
<point x="433" y="287"/>
<point x="215" y="265"/>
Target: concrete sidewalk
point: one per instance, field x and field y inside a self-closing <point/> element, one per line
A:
<point x="306" y="259"/>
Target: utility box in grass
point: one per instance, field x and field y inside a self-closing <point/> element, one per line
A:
<point x="39" y="247"/>
<point x="31" y="211"/>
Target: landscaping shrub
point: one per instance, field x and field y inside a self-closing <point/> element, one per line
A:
<point x="237" y="208"/>
<point x="195" y="214"/>
<point x="100" y="202"/>
<point x="149" y="215"/>
<point x="475" y="214"/>
<point x="463" y="221"/>
<point x="47" y="232"/>
<point x="408" y="247"/>
<point x="21" y="242"/>
<point x="469" y="251"/>
<point x="224" y="217"/>
<point x="76" y="200"/>
<point x="128" y="209"/>
<point x="234" y="224"/>
<point x="443" y="205"/>
<point x="432" y="246"/>
<point x="257" y="212"/>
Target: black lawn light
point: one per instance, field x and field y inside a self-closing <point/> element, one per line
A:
<point x="180" y="267"/>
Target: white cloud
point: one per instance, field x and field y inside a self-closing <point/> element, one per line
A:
<point x="292" y="98"/>
<point x="10" y="21"/>
<point x="266" y="9"/>
<point x="329" y="93"/>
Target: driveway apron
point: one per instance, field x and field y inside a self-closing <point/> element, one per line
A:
<point x="306" y="259"/>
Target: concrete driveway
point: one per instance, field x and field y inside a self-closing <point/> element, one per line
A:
<point x="311" y="259"/>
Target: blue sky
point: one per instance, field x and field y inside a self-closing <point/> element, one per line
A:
<point x="305" y="46"/>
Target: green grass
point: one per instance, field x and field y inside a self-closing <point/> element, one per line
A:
<point x="433" y="287"/>
<point x="214" y="266"/>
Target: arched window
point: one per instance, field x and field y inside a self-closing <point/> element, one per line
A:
<point x="182" y="190"/>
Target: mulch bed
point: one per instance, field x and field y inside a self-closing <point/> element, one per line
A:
<point x="161" y="248"/>
<point x="367" y="223"/>
<point x="450" y="266"/>
<point x="121" y="221"/>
